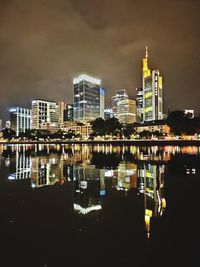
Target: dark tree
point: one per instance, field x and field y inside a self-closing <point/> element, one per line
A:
<point x="112" y="126"/>
<point x="8" y="133"/>
<point x="98" y="127"/>
<point x="128" y="130"/>
<point x="181" y="123"/>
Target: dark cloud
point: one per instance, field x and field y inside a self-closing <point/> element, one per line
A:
<point x="45" y="43"/>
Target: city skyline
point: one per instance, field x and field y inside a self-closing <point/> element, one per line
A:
<point x="44" y="55"/>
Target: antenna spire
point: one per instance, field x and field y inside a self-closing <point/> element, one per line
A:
<point x="146" y="55"/>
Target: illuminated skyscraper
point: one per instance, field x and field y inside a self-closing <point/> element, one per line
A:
<point x="65" y="112"/>
<point x="121" y="94"/>
<point x="44" y="112"/>
<point x="126" y="111"/>
<point x="152" y="93"/>
<point x="89" y="98"/>
<point x="20" y="119"/>
<point x="69" y="112"/>
<point x="139" y="105"/>
<point x="108" y="113"/>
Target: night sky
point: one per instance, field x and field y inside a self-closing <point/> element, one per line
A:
<point x="45" y="43"/>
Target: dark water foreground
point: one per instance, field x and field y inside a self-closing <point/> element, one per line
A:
<point x="103" y="205"/>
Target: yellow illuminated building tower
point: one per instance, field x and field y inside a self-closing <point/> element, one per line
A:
<point x="152" y="92"/>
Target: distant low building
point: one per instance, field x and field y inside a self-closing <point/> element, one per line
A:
<point x="84" y="130"/>
<point x="52" y="127"/>
<point x="153" y="126"/>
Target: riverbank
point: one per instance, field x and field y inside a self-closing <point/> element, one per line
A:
<point x="112" y="142"/>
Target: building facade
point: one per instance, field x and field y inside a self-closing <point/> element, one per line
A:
<point x="69" y="112"/>
<point x="121" y="94"/>
<point x="44" y="112"/>
<point x="152" y="93"/>
<point x="20" y="119"/>
<point x="89" y="98"/>
<point x="139" y="104"/>
<point x="153" y="126"/>
<point x="83" y="130"/>
<point x="65" y="112"/>
<point x="126" y="111"/>
<point x="108" y="113"/>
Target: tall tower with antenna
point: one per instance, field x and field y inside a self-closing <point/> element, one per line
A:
<point x="152" y="92"/>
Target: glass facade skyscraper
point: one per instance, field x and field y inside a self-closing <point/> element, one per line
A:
<point x="126" y="111"/>
<point x="20" y="119"/>
<point x="121" y="94"/>
<point x="89" y="98"/>
<point x="139" y="104"/>
<point x="152" y="93"/>
<point x="44" y="112"/>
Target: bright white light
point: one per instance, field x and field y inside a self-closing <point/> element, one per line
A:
<point x="86" y="210"/>
<point x="86" y="78"/>
<point x="12" y="109"/>
<point x="109" y="173"/>
<point x="10" y="177"/>
<point x="33" y="185"/>
<point x="83" y="184"/>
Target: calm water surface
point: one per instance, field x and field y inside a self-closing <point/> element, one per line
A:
<point x="104" y="205"/>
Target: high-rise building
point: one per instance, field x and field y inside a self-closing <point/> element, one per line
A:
<point x="126" y="111"/>
<point x="20" y="119"/>
<point x="61" y="111"/>
<point x="152" y="93"/>
<point x="139" y="104"/>
<point x="44" y="111"/>
<point x="65" y="112"/>
<point x="108" y="113"/>
<point x="69" y="112"/>
<point x="89" y="98"/>
<point x="120" y="95"/>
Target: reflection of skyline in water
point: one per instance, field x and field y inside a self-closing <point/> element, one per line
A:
<point x="90" y="168"/>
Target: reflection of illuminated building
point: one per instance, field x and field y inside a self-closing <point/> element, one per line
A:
<point x="151" y="183"/>
<point x="47" y="171"/>
<point x="68" y="172"/>
<point x="88" y="188"/>
<point x="22" y="165"/>
<point x="127" y="176"/>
